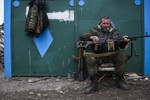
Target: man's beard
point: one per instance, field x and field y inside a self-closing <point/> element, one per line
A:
<point x="104" y="29"/>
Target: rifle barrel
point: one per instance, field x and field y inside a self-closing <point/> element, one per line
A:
<point x="134" y="37"/>
<point x="139" y="37"/>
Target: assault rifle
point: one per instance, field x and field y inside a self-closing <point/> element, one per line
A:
<point x="81" y="45"/>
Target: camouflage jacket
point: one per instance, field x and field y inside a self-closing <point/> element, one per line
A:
<point x="111" y="33"/>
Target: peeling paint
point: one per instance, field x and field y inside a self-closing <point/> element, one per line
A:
<point x="63" y="63"/>
<point x="67" y="15"/>
<point x="29" y="58"/>
<point x="68" y="60"/>
<point x="59" y="49"/>
<point x="29" y="62"/>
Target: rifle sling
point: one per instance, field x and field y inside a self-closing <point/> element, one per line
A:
<point x="91" y="54"/>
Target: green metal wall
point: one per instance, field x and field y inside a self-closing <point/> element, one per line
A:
<point x="26" y="59"/>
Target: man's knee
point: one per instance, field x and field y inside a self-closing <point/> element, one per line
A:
<point x="122" y="57"/>
<point x="92" y="71"/>
<point x="91" y="66"/>
<point x="90" y="61"/>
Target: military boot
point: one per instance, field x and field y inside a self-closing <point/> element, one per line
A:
<point x="121" y="83"/>
<point x="93" y="86"/>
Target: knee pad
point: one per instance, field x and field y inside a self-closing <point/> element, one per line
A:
<point x="90" y="61"/>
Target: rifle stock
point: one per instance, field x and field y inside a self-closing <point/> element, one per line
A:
<point x="83" y="44"/>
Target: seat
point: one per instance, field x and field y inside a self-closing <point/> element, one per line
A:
<point x="107" y="67"/>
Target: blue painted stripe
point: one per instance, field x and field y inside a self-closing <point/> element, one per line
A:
<point x="147" y="40"/>
<point x="7" y="38"/>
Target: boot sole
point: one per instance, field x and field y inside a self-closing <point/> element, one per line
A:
<point x="91" y="91"/>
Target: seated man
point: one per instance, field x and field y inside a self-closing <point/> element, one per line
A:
<point x="105" y="35"/>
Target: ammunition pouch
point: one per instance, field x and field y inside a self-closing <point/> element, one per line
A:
<point x="106" y="45"/>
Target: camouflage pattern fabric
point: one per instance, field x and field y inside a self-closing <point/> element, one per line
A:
<point x="32" y="19"/>
<point x="37" y="20"/>
<point x="119" y="59"/>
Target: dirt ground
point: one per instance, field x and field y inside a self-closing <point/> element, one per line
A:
<point x="60" y="88"/>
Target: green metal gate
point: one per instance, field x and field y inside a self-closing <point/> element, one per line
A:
<point x="57" y="60"/>
<point x="127" y="17"/>
<point x="27" y="59"/>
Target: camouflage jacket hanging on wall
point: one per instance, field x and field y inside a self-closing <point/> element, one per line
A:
<point x="37" y="20"/>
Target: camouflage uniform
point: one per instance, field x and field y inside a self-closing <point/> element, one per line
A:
<point x="118" y="59"/>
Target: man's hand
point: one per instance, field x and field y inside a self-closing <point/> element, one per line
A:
<point x="95" y="39"/>
<point x="125" y="37"/>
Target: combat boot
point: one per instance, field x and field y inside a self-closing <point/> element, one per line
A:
<point x="121" y="83"/>
<point x="93" y="86"/>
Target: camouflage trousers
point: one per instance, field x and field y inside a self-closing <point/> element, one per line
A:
<point x="119" y="60"/>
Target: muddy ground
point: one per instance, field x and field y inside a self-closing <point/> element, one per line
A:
<point x="60" y="88"/>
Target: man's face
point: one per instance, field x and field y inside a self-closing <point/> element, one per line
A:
<point x="105" y="23"/>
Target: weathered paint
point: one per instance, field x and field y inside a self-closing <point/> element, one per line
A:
<point x="67" y="15"/>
